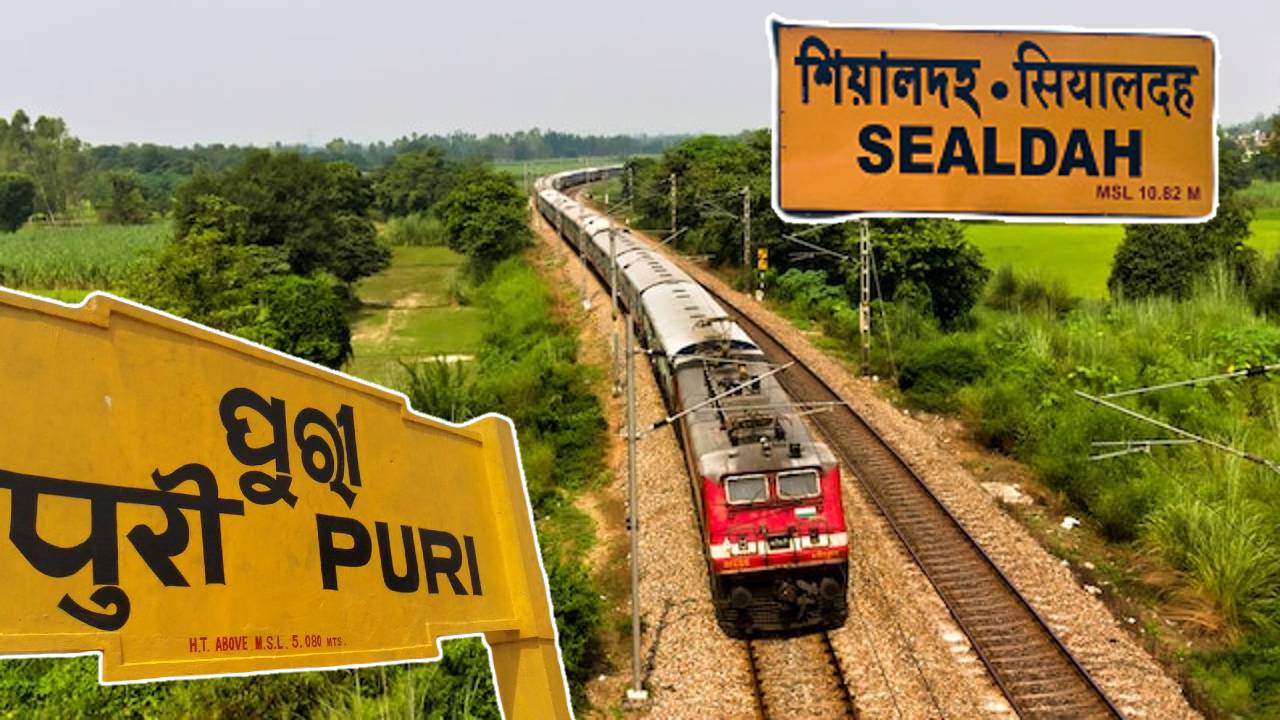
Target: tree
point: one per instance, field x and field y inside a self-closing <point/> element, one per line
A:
<point x="245" y="290"/>
<point x="121" y="200"/>
<point x="1267" y="162"/>
<point x="17" y="200"/>
<point x="486" y="220"/>
<point x="1166" y="259"/>
<point x="316" y="212"/>
<point x="49" y="154"/>
<point x="929" y="257"/>
<point x="415" y="182"/>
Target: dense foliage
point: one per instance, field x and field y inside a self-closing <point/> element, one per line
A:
<point x="1167" y="259"/>
<point x="46" y="152"/>
<point x="248" y="290"/>
<point x="486" y="219"/>
<point x="414" y="182"/>
<point x="526" y="370"/>
<point x="316" y="212"/>
<point x="120" y="200"/>
<point x="17" y="200"/>
<point x="928" y="261"/>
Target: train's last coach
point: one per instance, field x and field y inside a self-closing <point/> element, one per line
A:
<point x="767" y="492"/>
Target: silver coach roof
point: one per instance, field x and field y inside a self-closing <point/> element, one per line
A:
<point x="676" y="311"/>
<point x="646" y="268"/>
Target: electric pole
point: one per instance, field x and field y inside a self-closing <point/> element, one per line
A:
<point x="635" y="693"/>
<point x="613" y="300"/>
<point x="586" y="278"/>
<point x="746" y="234"/>
<point x="673" y="203"/>
<point x="631" y="190"/>
<point x="864" y="304"/>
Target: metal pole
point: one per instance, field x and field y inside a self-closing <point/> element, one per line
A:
<point x="631" y="189"/>
<point x="613" y="299"/>
<point x="636" y="692"/>
<point x="746" y="235"/>
<point x="673" y="203"/>
<point x="864" y="305"/>
<point x="586" y="276"/>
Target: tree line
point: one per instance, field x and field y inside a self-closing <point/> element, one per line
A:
<point x="47" y="172"/>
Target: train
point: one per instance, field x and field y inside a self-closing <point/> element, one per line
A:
<point x="766" y="491"/>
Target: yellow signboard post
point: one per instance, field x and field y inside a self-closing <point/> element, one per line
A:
<point x="981" y="123"/>
<point x="762" y="259"/>
<point x="190" y="504"/>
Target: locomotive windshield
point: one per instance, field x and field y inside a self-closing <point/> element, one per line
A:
<point x="745" y="489"/>
<point x="797" y="484"/>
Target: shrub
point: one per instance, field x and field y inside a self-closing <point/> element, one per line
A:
<point x="931" y="376"/>
<point x="1167" y="259"/>
<point x="1227" y="549"/>
<point x="415" y="229"/>
<point x="932" y="255"/>
<point x="577" y="609"/>
<point x="1002" y="414"/>
<point x="17" y="200"/>
<point x="305" y="317"/>
<point x="120" y="200"/>
<point x="443" y="388"/>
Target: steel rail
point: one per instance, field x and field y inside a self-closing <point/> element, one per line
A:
<point x="1025" y="657"/>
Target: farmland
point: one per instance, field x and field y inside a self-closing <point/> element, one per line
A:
<point x="409" y="313"/>
<point x="1081" y="254"/>
<point x="74" y="258"/>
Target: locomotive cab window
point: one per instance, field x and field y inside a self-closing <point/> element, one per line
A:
<point x="797" y="484"/>
<point x="746" y="489"/>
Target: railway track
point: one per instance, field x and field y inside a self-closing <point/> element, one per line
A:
<point x="787" y="676"/>
<point x="1027" y="660"/>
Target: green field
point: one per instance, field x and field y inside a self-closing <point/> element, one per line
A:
<point x="70" y="257"/>
<point x="408" y="314"/>
<point x="1081" y="254"/>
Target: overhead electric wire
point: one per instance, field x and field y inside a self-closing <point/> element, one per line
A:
<point x="1242" y="454"/>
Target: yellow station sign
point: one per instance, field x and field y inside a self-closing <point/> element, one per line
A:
<point x="1010" y="123"/>
<point x="190" y="504"/>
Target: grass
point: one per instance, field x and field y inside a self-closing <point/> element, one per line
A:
<point x="1081" y="254"/>
<point x="1263" y="193"/>
<point x="408" y="314"/>
<point x="83" y="256"/>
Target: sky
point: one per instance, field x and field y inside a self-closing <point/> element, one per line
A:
<point x="262" y="71"/>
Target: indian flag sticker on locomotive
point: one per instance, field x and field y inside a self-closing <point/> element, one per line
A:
<point x="189" y="504"/>
<point x="1008" y="123"/>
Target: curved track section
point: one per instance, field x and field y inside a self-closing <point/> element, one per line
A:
<point x="1036" y="672"/>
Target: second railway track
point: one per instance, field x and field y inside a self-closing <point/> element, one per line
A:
<point x="1037" y="673"/>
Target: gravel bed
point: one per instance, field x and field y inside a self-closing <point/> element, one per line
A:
<point x="1129" y="675"/>
<point x="692" y="670"/>
<point x="796" y="679"/>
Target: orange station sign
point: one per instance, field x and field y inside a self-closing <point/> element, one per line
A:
<point x="1039" y="125"/>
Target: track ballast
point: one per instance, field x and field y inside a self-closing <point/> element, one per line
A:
<point x="1036" y="672"/>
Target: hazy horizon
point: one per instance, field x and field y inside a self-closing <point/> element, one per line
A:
<point x="259" y="73"/>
